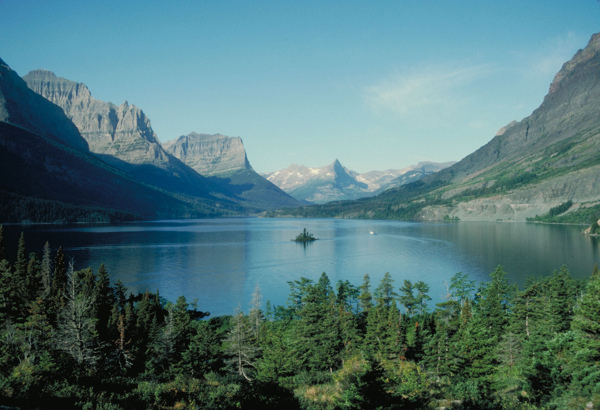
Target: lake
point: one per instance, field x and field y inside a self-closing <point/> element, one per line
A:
<point x="221" y="261"/>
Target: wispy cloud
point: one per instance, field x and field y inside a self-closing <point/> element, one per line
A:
<point x="423" y="89"/>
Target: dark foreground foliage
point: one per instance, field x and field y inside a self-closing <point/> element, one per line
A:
<point x="68" y="338"/>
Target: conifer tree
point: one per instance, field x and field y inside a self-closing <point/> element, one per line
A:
<point x="21" y="264"/>
<point x="493" y="307"/>
<point x="281" y="352"/>
<point x="240" y="347"/>
<point x="462" y="287"/>
<point x="317" y="327"/>
<point x="18" y="296"/>
<point x="203" y="353"/>
<point x="422" y="297"/>
<point x="365" y="298"/>
<point x="105" y="300"/>
<point x="384" y="294"/>
<point x="76" y="332"/>
<point x="256" y="315"/>
<point x="34" y="277"/>
<point x="441" y="354"/>
<point x="562" y="299"/>
<point x="587" y="314"/>
<point x="59" y="283"/>
<point x="46" y="273"/>
<point x="407" y="297"/>
<point x="2" y="246"/>
<point x="365" y="303"/>
<point x="5" y="291"/>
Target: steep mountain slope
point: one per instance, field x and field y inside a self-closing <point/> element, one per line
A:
<point x="336" y="182"/>
<point x="529" y="167"/>
<point x="123" y="137"/>
<point x="48" y="172"/>
<point x="120" y="135"/>
<point x="224" y="160"/>
<point x="19" y="106"/>
<point x="44" y="181"/>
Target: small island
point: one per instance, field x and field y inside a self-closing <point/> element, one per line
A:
<point x="305" y="236"/>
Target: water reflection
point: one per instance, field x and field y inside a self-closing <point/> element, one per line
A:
<point x="221" y="261"/>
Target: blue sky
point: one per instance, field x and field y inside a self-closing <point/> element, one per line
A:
<point x="377" y="85"/>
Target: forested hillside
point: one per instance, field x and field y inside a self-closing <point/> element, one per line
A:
<point x="70" y="338"/>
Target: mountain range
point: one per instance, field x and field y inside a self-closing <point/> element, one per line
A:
<point x="548" y="161"/>
<point x="65" y="153"/>
<point x="335" y="182"/>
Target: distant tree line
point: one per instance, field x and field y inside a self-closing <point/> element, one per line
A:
<point x="70" y="338"/>
<point x="15" y="209"/>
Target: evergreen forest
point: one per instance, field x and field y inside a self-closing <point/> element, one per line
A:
<point x="71" y="338"/>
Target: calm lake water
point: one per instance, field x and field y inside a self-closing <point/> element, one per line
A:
<point x="220" y="261"/>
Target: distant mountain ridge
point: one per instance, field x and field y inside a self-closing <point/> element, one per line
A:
<point x="335" y="182"/>
<point x="549" y="158"/>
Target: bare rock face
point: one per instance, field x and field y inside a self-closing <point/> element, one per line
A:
<point x="123" y="131"/>
<point x="120" y="135"/>
<point x="19" y="106"/>
<point x="210" y="155"/>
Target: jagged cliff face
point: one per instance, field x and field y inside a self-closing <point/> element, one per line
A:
<point x="123" y="131"/>
<point x="19" y="106"/>
<point x="122" y="136"/>
<point x="210" y="154"/>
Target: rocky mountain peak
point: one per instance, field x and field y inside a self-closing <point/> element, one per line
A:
<point x="17" y="102"/>
<point x="210" y="154"/>
<point x="123" y="131"/>
<point x="581" y="57"/>
<point x="41" y="72"/>
<point x="508" y="126"/>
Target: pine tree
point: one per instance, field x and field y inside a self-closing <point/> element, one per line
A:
<point x="2" y="246"/>
<point x="587" y="314"/>
<point x="6" y="307"/>
<point x="105" y="300"/>
<point x="494" y="306"/>
<point x="76" y="332"/>
<point x="462" y="288"/>
<point x="407" y="298"/>
<point x="384" y="294"/>
<point x="240" y="345"/>
<point x="18" y="286"/>
<point x="46" y="273"/>
<point x="441" y="355"/>
<point x="422" y="297"/>
<point x="59" y="284"/>
<point x="317" y="327"/>
<point x="562" y="300"/>
<point x="365" y="304"/>
<point x="256" y="315"/>
<point x="22" y="260"/>
<point x="203" y="353"/>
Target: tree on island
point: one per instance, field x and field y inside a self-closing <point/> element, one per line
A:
<point x="305" y="236"/>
